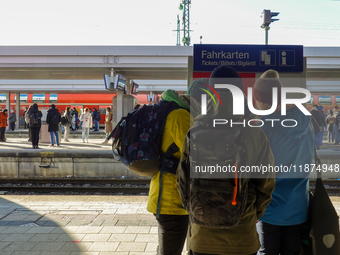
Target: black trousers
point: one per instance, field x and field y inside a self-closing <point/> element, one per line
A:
<point x="29" y="131"/>
<point x="35" y="135"/>
<point x="11" y="126"/>
<point x="172" y="231"/>
<point x="2" y="133"/>
<point x="275" y="240"/>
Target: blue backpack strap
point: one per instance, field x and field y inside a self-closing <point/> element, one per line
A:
<point x="167" y="166"/>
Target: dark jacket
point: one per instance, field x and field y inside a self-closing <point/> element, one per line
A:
<point x="50" y="114"/>
<point x="330" y="120"/>
<point x="67" y="115"/>
<point x="34" y="109"/>
<point x="75" y="112"/>
<point x="12" y="117"/>
<point x="336" y="122"/>
<point x="318" y="119"/>
<point x="95" y="115"/>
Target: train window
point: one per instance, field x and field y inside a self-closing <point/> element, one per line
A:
<point x="325" y="100"/>
<point x="337" y="99"/>
<point x="102" y="109"/>
<point x="53" y="98"/>
<point x="2" y="98"/>
<point x="23" y="98"/>
<point x="311" y="101"/>
<point x="38" y="99"/>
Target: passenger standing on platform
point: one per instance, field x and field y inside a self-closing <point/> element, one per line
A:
<point x="108" y="123"/>
<point x="67" y="115"/>
<point x="281" y="225"/>
<point x="76" y="118"/>
<point x="23" y="115"/>
<point x="35" y="125"/>
<point x="336" y="125"/>
<point x="330" y="123"/>
<point x="173" y="219"/>
<point x="320" y="135"/>
<point x="12" y="119"/>
<point x="53" y="119"/>
<point x="3" y="124"/>
<point x="96" y="119"/>
<point x="242" y="238"/>
<point x="86" y="118"/>
<point x="27" y="121"/>
<point x="318" y="120"/>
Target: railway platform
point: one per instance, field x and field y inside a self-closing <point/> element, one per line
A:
<point x="22" y="133"/>
<point x="70" y="159"/>
<point x="79" y="225"/>
<point x="93" y="159"/>
<point x="76" y="225"/>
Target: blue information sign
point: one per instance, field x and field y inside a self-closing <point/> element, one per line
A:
<point x="248" y="58"/>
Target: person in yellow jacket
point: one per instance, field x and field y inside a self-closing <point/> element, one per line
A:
<point x="173" y="219"/>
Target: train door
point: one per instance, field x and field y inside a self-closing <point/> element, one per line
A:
<point x="78" y="107"/>
<point x="102" y="111"/>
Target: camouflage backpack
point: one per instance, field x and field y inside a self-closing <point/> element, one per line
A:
<point x="214" y="199"/>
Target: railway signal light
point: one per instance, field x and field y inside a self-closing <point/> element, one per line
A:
<point x="267" y="17"/>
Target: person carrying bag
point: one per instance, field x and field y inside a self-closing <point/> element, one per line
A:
<point x="323" y="221"/>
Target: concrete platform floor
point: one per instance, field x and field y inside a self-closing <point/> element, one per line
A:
<point x="79" y="225"/>
<point x="20" y="144"/>
<point x="74" y="225"/>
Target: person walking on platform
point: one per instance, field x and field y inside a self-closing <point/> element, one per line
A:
<point x="23" y="115"/>
<point x="67" y="126"/>
<point x="108" y="124"/>
<point x="242" y="238"/>
<point x="280" y="227"/>
<point x="330" y="123"/>
<point x="27" y="121"/>
<point x="35" y="124"/>
<point x="12" y="119"/>
<point x="336" y="125"/>
<point x="86" y="118"/>
<point x="318" y="122"/>
<point x="3" y="124"/>
<point x="53" y="119"/>
<point x="96" y="119"/>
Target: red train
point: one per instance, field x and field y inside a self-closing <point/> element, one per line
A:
<point x="101" y="101"/>
<point x="61" y="101"/>
<point x="328" y="101"/>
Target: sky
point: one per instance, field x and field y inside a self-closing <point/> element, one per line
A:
<point x="151" y="22"/>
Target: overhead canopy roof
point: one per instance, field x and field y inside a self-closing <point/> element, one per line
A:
<point x="79" y="69"/>
<point x="91" y="62"/>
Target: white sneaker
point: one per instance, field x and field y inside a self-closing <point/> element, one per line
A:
<point x="83" y="141"/>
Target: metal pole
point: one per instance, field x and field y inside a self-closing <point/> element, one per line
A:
<point x="178" y="32"/>
<point x="266" y="29"/>
<point x="8" y="106"/>
<point x="17" y="110"/>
